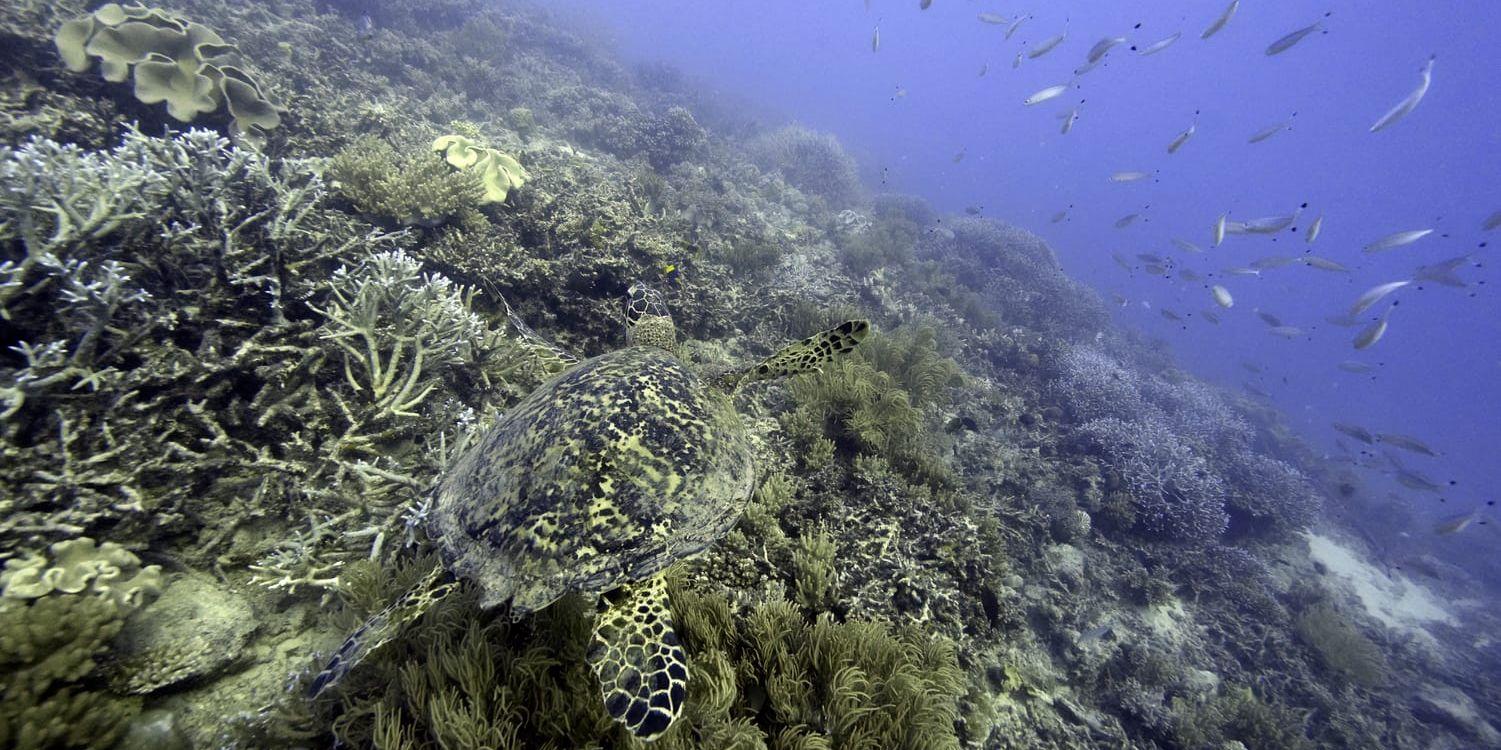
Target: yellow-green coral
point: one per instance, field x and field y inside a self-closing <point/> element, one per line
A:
<point x="499" y="173"/>
<point x="50" y="694"/>
<point x="404" y="189"/>
<point x="79" y="566"/>
<point x="173" y="60"/>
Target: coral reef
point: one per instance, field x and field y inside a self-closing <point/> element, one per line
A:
<point x="407" y="190"/>
<point x="813" y="162"/>
<point x="498" y="173"/>
<point x="79" y="566"/>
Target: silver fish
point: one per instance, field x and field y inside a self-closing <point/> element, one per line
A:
<point x="993" y="18"/>
<point x="1051" y="92"/>
<point x="984" y="68"/>
<point x="1269" y="319"/>
<point x="1188" y="274"/>
<point x="1273" y="261"/>
<point x="1374" y="295"/>
<point x="1219" y="230"/>
<point x="1126" y="221"/>
<point x="1015" y="25"/>
<point x="1161" y="44"/>
<point x="1017" y="63"/>
<point x="1086" y="67"/>
<point x="1210" y="315"/>
<point x="1267" y="224"/>
<point x="875" y="39"/>
<point x="1170" y="315"/>
<point x="1397" y="239"/>
<point x="1359" y="368"/>
<point x="1242" y="271"/>
<point x="1406" y="106"/>
<point x="1129" y="176"/>
<point x="1323" y="264"/>
<point x="1045" y="46"/>
<point x="1405" y="442"/>
<point x="1456" y="524"/>
<point x="1103" y="46"/>
<point x="1491" y="222"/>
<point x="1222" y="296"/>
<point x="1119" y="261"/>
<point x="1149" y="258"/>
<point x="1269" y="131"/>
<point x="1288" y="332"/>
<point x="1186" y="246"/>
<point x="1219" y="23"/>
<point x="1183" y="137"/>
<point x="1343" y="321"/>
<point x="1069" y="118"/>
<point x="1414" y="480"/>
<point x="1372" y="333"/>
<point x="1442" y="272"/>
<point x="1286" y="43"/>
<point x="1314" y="229"/>
<point x="1060" y="216"/>
<point x="1355" y="431"/>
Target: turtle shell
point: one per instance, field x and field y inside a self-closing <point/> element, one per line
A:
<point x="605" y="475"/>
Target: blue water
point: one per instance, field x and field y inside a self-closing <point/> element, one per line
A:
<point x="1438" y="368"/>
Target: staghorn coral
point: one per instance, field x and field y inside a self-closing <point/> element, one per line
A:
<point x="172" y="60"/>
<point x="1267" y="495"/>
<point x="1175" y="491"/>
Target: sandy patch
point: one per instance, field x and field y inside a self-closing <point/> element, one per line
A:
<point x="1396" y="601"/>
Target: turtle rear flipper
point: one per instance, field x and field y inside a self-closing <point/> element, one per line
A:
<point x="638" y="660"/>
<point x="807" y="355"/>
<point x="382" y="627"/>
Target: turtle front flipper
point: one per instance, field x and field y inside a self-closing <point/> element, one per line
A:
<point x="638" y="660"/>
<point x="806" y="355"/>
<point x="382" y="627"/>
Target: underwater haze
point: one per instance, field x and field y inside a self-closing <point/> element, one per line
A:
<point x="911" y="374"/>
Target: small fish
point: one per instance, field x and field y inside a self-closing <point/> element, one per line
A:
<point x="1160" y="45"/>
<point x="1269" y="224"/>
<point x="366" y="26"/>
<point x="1186" y="246"/>
<point x="1456" y="524"/>
<point x="1372" y="333"/>
<point x="993" y="19"/>
<point x="1086" y="67"/>
<point x="1222" y="296"/>
<point x="1352" y="366"/>
<point x="1060" y="216"/>
<point x="1323" y="264"/>
<point x="1149" y="258"/>
<point x="1210" y="315"/>
<point x="924" y="4"/>
<point x="1235" y="227"/>
<point x="1188" y="274"/>
<point x="1397" y="239"/>
<point x="1182" y="138"/>
<point x="1103" y="46"/>
<point x="1374" y="295"/>
<point x="1126" y="221"/>
<point x="1288" y="332"/>
<point x="1269" y="319"/>
<point x="1242" y="271"/>
<point x="1415" y="480"/>
<point x="1015" y="25"/>
<point x="1069" y="118"/>
<point x="1405" y="442"/>
<point x="1314" y="229"/>
<point x="1406" y="106"/>
<point x="984" y="68"/>
<point x="1219" y="23"/>
<point x="1156" y="269"/>
<point x="1045" y="46"/>
<point x="875" y="39"/>
<point x="1343" y="321"/>
<point x="1051" y="92"/>
<point x="959" y="156"/>
<point x="1442" y="272"/>
<point x="1017" y="63"/>
<point x="1491" y="222"/>
<point x="1219" y="230"/>
<point x="1119" y="300"/>
<point x="1129" y="176"/>
<point x="1273" y="261"/>
<point x="1270" y="131"/>
<point x="1355" y="431"/>
<point x="1170" y="315"/>
<point x="1286" y="43"/>
<point x="1250" y="367"/>
<point x="1255" y="391"/>
<point x="1122" y="262"/>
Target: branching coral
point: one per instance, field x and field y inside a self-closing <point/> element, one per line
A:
<point x="408" y="190"/>
<point x="1176" y="492"/>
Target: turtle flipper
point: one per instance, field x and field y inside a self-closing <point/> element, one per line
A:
<point x="638" y="660"/>
<point x="806" y="355"/>
<point x="382" y="627"/>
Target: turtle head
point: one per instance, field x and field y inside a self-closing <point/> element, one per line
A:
<point x="647" y="322"/>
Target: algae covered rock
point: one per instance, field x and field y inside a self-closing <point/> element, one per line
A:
<point x="195" y="628"/>
<point x="170" y="59"/>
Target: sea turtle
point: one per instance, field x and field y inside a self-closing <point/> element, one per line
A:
<point x="594" y="483"/>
